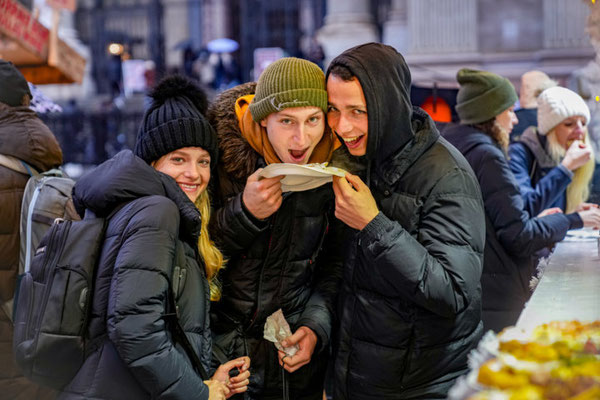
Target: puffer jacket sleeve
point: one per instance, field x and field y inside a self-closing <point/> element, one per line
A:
<point x="441" y="267"/>
<point x="547" y="190"/>
<point x="137" y="302"/>
<point x="232" y="229"/>
<point x="318" y="313"/>
<point x="519" y="234"/>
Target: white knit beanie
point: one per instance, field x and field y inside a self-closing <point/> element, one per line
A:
<point x="557" y="104"/>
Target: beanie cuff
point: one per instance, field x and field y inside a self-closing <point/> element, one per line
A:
<point x="288" y="99"/>
<point x="176" y="134"/>
<point x="486" y="106"/>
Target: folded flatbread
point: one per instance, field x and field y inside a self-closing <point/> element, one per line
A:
<point x="301" y="177"/>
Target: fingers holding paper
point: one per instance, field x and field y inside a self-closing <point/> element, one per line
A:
<point x="306" y="340"/>
<point x="262" y="197"/>
<point x="354" y="203"/>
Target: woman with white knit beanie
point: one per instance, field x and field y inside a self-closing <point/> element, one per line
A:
<point x="554" y="162"/>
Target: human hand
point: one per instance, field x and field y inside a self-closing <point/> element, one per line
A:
<point x="354" y="203"/>
<point x="577" y="155"/>
<point x="586" y="206"/>
<point x="306" y="339"/>
<point x="217" y="390"/>
<point x="236" y="384"/>
<point x="591" y="217"/>
<point x="550" y="211"/>
<point x="262" y="197"/>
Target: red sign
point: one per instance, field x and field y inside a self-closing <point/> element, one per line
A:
<point x="17" y="23"/>
<point x="70" y="5"/>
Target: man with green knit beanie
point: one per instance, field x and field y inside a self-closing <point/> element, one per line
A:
<point x="283" y="249"/>
<point x="485" y="104"/>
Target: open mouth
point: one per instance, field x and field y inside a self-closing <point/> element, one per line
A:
<point x="298" y="155"/>
<point x="354" y="142"/>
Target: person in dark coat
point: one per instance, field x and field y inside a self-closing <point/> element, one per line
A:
<point x="159" y="194"/>
<point x="23" y="137"/>
<point x="485" y="104"/>
<point x="554" y="162"/>
<point x="532" y="84"/>
<point x="283" y="249"/>
<point x="410" y="302"/>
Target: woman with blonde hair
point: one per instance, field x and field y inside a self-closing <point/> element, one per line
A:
<point x="553" y="163"/>
<point x="149" y="325"/>
<point x="514" y="236"/>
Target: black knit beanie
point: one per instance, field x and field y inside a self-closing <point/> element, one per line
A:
<point x="13" y="86"/>
<point x="175" y="120"/>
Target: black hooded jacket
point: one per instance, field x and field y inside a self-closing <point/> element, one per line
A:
<point x="135" y="357"/>
<point x="410" y="300"/>
<point x="513" y="237"/>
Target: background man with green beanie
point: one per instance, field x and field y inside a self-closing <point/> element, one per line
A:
<point x="485" y="103"/>
<point x="283" y="249"/>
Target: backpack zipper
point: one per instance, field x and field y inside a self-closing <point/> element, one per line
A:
<point x="36" y="193"/>
<point x="49" y="278"/>
<point x="47" y="249"/>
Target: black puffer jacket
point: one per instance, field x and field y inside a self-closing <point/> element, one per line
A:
<point x="512" y="237"/>
<point x="136" y="357"/>
<point x="290" y="261"/>
<point x="410" y="300"/>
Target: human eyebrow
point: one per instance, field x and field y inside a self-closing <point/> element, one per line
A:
<point x="177" y="153"/>
<point x="287" y="116"/>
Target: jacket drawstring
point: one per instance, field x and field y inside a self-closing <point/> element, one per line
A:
<point x="286" y="389"/>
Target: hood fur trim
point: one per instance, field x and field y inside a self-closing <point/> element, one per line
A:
<point x="237" y="157"/>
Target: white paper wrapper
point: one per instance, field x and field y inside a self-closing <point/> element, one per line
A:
<point x="276" y="330"/>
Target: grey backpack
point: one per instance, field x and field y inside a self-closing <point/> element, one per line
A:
<point x="47" y="196"/>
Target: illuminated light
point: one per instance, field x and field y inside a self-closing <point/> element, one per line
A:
<point x="115" y="49"/>
<point x="597" y="98"/>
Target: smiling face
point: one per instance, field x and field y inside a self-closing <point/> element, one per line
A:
<point x="347" y="114"/>
<point x="295" y="132"/>
<point x="189" y="166"/>
<point x="569" y="130"/>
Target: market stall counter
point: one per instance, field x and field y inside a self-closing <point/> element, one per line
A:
<point x="570" y="286"/>
<point x="553" y="352"/>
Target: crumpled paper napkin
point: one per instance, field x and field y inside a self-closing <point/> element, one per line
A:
<point x="276" y="330"/>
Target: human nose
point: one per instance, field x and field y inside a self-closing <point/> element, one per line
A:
<point x="300" y="136"/>
<point x="191" y="171"/>
<point x="515" y="120"/>
<point x="343" y="125"/>
<point x="579" y="129"/>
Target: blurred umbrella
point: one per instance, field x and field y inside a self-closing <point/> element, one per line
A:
<point x="185" y="43"/>
<point x="222" y="45"/>
<point x="40" y="103"/>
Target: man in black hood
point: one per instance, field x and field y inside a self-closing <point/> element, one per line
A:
<point x="410" y="303"/>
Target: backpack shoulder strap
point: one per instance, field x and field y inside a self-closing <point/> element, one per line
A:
<point x="179" y="336"/>
<point x="533" y="168"/>
<point x="17" y="165"/>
